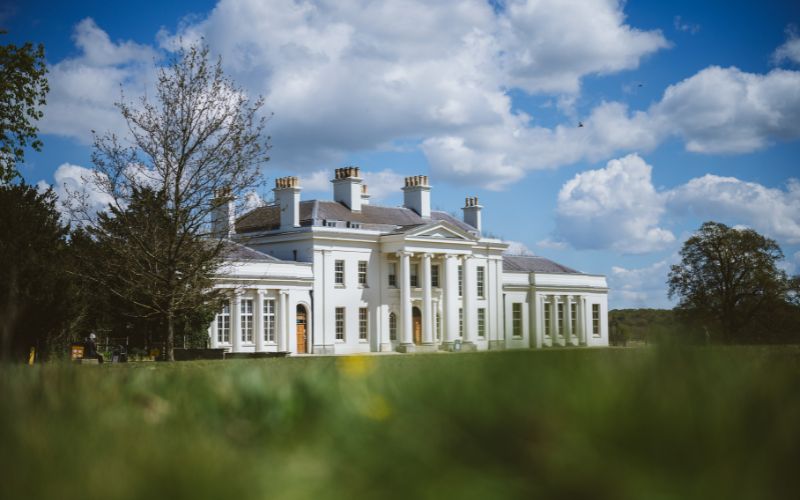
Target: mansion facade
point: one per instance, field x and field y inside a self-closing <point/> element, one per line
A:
<point x="345" y="276"/>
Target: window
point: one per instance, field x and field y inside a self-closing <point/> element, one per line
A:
<point x="481" y="322"/>
<point x="338" y="272"/>
<point x="269" y="320"/>
<point x="354" y="225"/>
<point x="224" y="323"/>
<point x="435" y="276"/>
<point x="596" y="320"/>
<point x="516" y="319"/>
<point x="573" y="316"/>
<point x="481" y="280"/>
<point x="460" y="281"/>
<point x="460" y="322"/>
<point x="560" y="319"/>
<point x="438" y="325"/>
<point x="362" y="272"/>
<point x="547" y="319"/>
<point x="363" y="323"/>
<point x="330" y="223"/>
<point x="247" y="320"/>
<point x="392" y="275"/>
<point x="340" y="324"/>
<point x="414" y="275"/>
<point x="392" y="326"/>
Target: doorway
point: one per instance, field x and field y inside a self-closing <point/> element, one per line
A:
<point x="302" y="338"/>
<point x="416" y="320"/>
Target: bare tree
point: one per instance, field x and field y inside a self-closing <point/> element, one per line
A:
<point x="200" y="139"/>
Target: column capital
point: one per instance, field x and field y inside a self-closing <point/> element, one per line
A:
<point x="426" y="255"/>
<point x="404" y="253"/>
<point x="451" y="256"/>
<point x="284" y="292"/>
<point x="261" y="293"/>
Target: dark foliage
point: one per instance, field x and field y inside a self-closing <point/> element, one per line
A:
<point x="35" y="291"/>
<point x="730" y="286"/>
<point x="23" y="88"/>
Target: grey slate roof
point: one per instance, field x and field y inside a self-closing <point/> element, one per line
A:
<point x="314" y="212"/>
<point x="530" y="264"/>
<point x="236" y="252"/>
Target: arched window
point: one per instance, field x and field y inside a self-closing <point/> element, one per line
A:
<point x="392" y="326"/>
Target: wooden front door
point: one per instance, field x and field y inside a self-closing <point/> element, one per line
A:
<point x="416" y="316"/>
<point x="302" y="345"/>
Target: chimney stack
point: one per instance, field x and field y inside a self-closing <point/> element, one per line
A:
<point x="472" y="213"/>
<point x="417" y="195"/>
<point x="364" y="195"/>
<point x="287" y="197"/>
<point x="223" y="214"/>
<point x="347" y="187"/>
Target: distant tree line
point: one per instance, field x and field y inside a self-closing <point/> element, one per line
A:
<point x="729" y="289"/>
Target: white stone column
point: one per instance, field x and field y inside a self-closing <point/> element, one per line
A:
<point x="258" y="321"/>
<point x="236" y="323"/>
<point x="501" y="310"/>
<point x="427" y="304"/>
<point x="469" y="308"/>
<point x="382" y="320"/>
<point x="450" y="317"/>
<point x="534" y="319"/>
<point x="282" y="321"/>
<point x="406" y="334"/>
<point x="568" y="320"/>
<point x="212" y="333"/>
<point x="582" y="332"/>
<point x="553" y="320"/>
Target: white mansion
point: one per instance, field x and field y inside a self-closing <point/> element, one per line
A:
<point x="344" y="276"/>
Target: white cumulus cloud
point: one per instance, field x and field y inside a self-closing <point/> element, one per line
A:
<point x="618" y="207"/>
<point x="790" y="50"/>
<point x="614" y="207"/>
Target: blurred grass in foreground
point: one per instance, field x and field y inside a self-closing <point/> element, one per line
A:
<point x="610" y="423"/>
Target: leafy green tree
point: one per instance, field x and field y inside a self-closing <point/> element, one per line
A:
<point x="23" y="88"/>
<point x="728" y="280"/>
<point x="34" y="287"/>
<point x="128" y="265"/>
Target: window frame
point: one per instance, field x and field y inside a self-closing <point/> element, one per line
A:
<point x="224" y="323"/>
<point x="460" y="280"/>
<point x="392" y="326"/>
<point x="362" y="273"/>
<point x="363" y="324"/>
<point x="516" y="319"/>
<point x="480" y="281"/>
<point x="340" y="318"/>
<point x="246" y="320"/>
<point x="338" y="272"/>
<point x="482" y="322"/>
<point x="560" y="330"/>
<point x="596" y="320"/>
<point x="269" y="321"/>
<point x="413" y="278"/>
<point x="435" y="276"/>
<point x="391" y="275"/>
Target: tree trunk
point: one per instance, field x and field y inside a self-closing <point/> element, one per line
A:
<point x="170" y="344"/>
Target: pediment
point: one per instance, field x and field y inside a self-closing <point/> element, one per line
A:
<point x="441" y="231"/>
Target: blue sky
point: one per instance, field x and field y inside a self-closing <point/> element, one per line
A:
<point x="691" y="110"/>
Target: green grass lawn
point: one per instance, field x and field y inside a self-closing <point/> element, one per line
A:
<point x="603" y="423"/>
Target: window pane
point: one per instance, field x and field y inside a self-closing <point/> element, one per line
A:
<point x="362" y="272"/>
<point x="481" y="272"/>
<point x="339" y="272"/>
<point x="340" y="323"/>
<point x="481" y="322"/>
<point x="392" y="326"/>
<point x="363" y="323"/>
